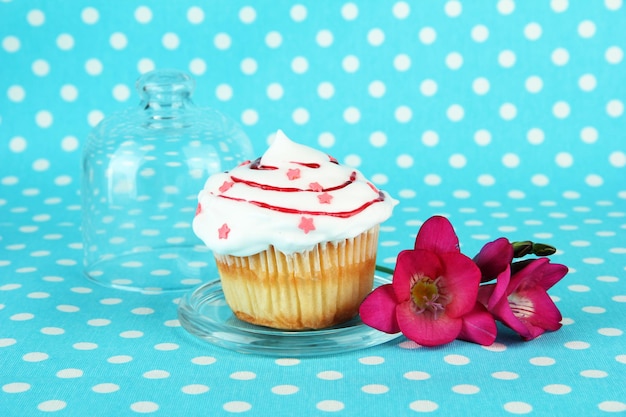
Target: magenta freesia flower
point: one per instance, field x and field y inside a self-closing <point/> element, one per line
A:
<point x="432" y="299"/>
<point x="519" y="298"/>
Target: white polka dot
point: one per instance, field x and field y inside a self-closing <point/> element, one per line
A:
<point x="349" y="11"/>
<point x="195" y="15"/>
<point x="457" y="160"/>
<point x="505" y="375"/>
<point x="455" y="113"/>
<point x="510" y="160"/>
<point x="401" y="10"/>
<point x="432" y="179"/>
<point x="560" y="56"/>
<point x="119" y="359"/>
<point x="156" y="374"/>
<point x="44" y="118"/>
<point x="121" y="92"/>
<point x="375" y="389"/>
<point x="486" y="180"/>
<point x="170" y="40"/>
<point x="326" y="140"/>
<point x="15" y="387"/>
<point x="325" y="90"/>
<point x="18" y="144"/>
<point x="67" y="308"/>
<point x="427" y="35"/>
<point x="85" y="346"/>
<point x="508" y="111"/>
<point x="237" y="406"/>
<point x="594" y="373"/>
<point x="506" y="59"/>
<point x="243" y="375"/>
<point x="481" y="85"/>
<point x="248" y="66"/>
<point x="35" y="357"/>
<point x="586" y="29"/>
<point x="224" y="92"/>
<point x="456" y="359"/>
<point x="11" y="44"/>
<point x="404" y="161"/>
<point x="51" y="405"/>
<point x="118" y="40"/>
<point x="617" y="159"/>
<point x="350" y="63"/>
<point x="518" y="407"/>
<point x="35" y="17"/>
<point x="612" y="406"/>
<point x="482" y="137"/>
<point x="587" y="82"/>
<point x="564" y="159"/>
<point x="16" y="93"/>
<point x="561" y="109"/>
<point x="578" y="287"/>
<point x="375" y="37"/>
<point x="287" y="362"/>
<point x="352" y="160"/>
<point x="299" y="65"/>
<point x="273" y="39"/>
<point x="611" y="332"/>
<point x="594" y="180"/>
<point x="372" y="360"/>
<point x="324" y="38"/>
<point x="352" y="115"/>
<point x="577" y="345"/>
<point x="416" y="375"/>
<point x="330" y="375"/>
<point x="376" y="89"/>
<point x="285" y="389"/>
<point x="247" y="14"/>
<point x="131" y="334"/>
<point x="41" y="165"/>
<point x="22" y="317"/>
<point x="542" y="361"/>
<point x="466" y="389"/>
<point x="222" y="41"/>
<point x="615" y="108"/>
<point x="194" y="389"/>
<point x="40" y="67"/>
<point x="614" y="55"/>
<point x="589" y="135"/>
<point x="90" y="15"/>
<point x="403" y="114"/>
<point x="532" y="31"/>
<point x="145" y="65"/>
<point x="70" y="373"/>
<point x="105" y="388"/>
<point x="93" y="66"/>
<point x="144" y="407"/>
<point x="143" y="14"/>
<point x="454" y="60"/>
<point x="298" y="13"/>
<point x="330" y="405"/>
<point x="52" y="331"/>
<point x="480" y="33"/>
<point x="197" y="66"/>
<point x="506" y="7"/>
<point x="534" y="84"/>
<point x="557" y="389"/>
<point x="5" y="342"/>
<point x="424" y="406"/>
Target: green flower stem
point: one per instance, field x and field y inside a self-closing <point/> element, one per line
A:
<point x="384" y="269"/>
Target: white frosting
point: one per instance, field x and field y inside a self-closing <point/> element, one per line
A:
<point x="293" y="198"/>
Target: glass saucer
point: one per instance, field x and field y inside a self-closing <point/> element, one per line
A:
<point x="205" y="314"/>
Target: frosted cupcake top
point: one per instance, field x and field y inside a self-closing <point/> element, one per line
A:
<point x="293" y="197"/>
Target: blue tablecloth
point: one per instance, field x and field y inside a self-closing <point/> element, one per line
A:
<point x="507" y="117"/>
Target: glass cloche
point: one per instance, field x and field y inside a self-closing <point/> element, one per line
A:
<point x="142" y="170"/>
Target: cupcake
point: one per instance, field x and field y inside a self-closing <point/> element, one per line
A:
<point x="294" y="235"/>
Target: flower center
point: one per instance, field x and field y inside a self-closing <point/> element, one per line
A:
<point x="520" y="306"/>
<point x="426" y="296"/>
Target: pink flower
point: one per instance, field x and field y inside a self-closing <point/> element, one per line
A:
<point x="519" y="298"/>
<point x="432" y="299"/>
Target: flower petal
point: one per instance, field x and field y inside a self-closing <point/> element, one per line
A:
<point x="459" y="281"/>
<point x="493" y="258"/>
<point x="497" y="291"/>
<point x="545" y="315"/>
<point x="502" y="311"/>
<point x="424" y="329"/>
<point x="537" y="272"/>
<point x="479" y="326"/>
<point x="378" y="310"/>
<point x="437" y="235"/>
<point x="410" y="264"/>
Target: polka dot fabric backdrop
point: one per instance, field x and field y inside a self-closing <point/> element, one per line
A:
<point x="505" y="116"/>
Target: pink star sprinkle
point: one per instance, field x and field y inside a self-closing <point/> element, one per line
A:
<point x="293" y="174"/>
<point x="324" y="198"/>
<point x="223" y="231"/>
<point x="226" y="186"/>
<point x="306" y="224"/>
<point x="316" y="186"/>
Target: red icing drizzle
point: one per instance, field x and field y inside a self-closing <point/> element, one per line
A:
<point x="340" y="214"/>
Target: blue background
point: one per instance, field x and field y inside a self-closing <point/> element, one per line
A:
<point x="507" y="117"/>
